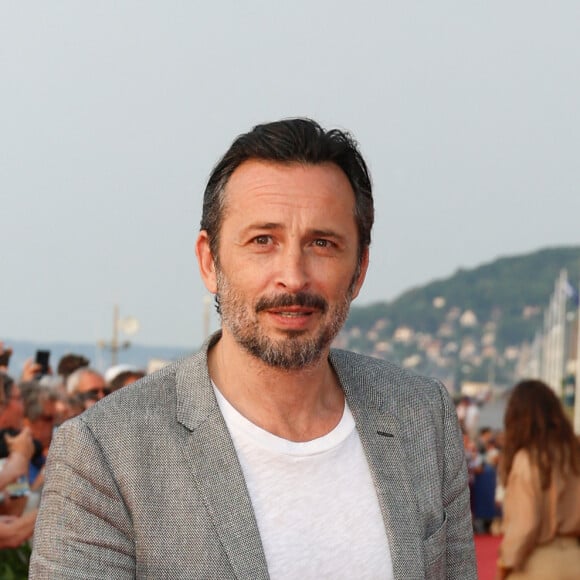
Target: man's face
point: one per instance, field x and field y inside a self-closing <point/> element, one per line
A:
<point x="288" y="249"/>
<point x="42" y="427"/>
<point x="92" y="387"/>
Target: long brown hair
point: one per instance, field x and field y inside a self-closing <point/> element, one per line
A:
<point x="535" y="420"/>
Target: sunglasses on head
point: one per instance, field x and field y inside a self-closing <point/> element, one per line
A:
<point x="93" y="394"/>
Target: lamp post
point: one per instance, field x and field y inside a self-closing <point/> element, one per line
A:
<point x="128" y="325"/>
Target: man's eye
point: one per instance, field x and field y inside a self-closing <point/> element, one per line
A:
<point x="262" y="240"/>
<point x="320" y="243"/>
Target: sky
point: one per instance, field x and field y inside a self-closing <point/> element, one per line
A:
<point x="113" y="114"/>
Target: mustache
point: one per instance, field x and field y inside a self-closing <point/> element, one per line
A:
<point x="303" y="299"/>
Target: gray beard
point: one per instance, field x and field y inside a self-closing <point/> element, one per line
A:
<point x="289" y="354"/>
<point x="293" y="352"/>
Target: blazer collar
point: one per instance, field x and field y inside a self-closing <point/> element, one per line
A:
<point x="195" y="397"/>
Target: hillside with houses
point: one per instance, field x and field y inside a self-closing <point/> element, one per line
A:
<point x="475" y="329"/>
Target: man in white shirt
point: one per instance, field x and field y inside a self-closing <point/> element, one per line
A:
<point x="267" y="454"/>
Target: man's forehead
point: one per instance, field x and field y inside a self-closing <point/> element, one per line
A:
<point x="264" y="166"/>
<point x="259" y="177"/>
<point x="90" y="377"/>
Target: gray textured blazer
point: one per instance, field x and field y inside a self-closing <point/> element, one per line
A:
<point x="147" y="484"/>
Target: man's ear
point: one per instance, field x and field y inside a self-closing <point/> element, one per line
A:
<point x="364" y="264"/>
<point x="206" y="262"/>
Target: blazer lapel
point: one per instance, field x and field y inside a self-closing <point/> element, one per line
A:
<point x="210" y="452"/>
<point x="379" y="433"/>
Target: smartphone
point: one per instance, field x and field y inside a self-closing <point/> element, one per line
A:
<point x="42" y="357"/>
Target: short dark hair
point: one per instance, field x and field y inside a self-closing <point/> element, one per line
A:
<point x="69" y="363"/>
<point x="292" y="141"/>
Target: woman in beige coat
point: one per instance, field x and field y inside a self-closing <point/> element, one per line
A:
<point x="541" y="473"/>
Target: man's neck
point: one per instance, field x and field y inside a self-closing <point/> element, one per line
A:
<point x="298" y="405"/>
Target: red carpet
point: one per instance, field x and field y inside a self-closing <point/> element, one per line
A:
<point x="486" y="549"/>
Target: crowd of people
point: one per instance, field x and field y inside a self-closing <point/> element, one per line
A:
<point x="32" y="406"/>
<point x="482" y="453"/>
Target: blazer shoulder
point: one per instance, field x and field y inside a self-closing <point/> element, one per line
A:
<point x="154" y="395"/>
<point x="366" y="372"/>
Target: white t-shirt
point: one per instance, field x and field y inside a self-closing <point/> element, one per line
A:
<point x="315" y="502"/>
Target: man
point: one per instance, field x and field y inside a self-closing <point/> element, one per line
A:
<point x="40" y="409"/>
<point x="267" y="455"/>
<point x="89" y="385"/>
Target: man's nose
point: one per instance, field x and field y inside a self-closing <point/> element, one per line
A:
<point x="292" y="270"/>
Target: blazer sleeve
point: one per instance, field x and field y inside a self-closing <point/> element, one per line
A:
<point x="83" y="530"/>
<point x="461" y="562"/>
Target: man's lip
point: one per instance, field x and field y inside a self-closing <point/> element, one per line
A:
<point x="291" y="310"/>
